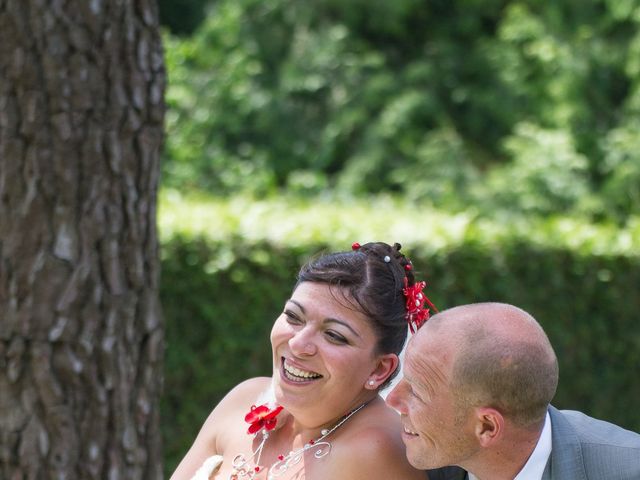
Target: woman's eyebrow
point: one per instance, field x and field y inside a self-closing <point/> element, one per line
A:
<point x="326" y="320"/>
<point x="345" y="324"/>
<point x="291" y="300"/>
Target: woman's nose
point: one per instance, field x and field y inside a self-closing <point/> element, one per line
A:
<point x="302" y="343"/>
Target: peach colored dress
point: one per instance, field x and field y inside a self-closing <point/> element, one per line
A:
<point x="209" y="466"/>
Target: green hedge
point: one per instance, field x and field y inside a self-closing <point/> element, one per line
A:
<point x="221" y="293"/>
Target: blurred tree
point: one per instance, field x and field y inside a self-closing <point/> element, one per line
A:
<point x="81" y="112"/>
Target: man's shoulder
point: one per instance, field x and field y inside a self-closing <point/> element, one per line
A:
<point x="585" y="447"/>
<point x="592" y="431"/>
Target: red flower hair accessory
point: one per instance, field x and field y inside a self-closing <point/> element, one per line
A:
<point x="262" y="417"/>
<point x="416" y="313"/>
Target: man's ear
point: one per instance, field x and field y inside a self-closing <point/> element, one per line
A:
<point x="385" y="366"/>
<point x="489" y="425"/>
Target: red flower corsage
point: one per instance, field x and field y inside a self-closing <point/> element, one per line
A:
<point x="416" y="313"/>
<point x="262" y="417"/>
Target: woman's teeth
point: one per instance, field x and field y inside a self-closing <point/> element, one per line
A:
<point x="297" y="375"/>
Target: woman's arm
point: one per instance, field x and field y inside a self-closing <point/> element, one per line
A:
<point x="209" y="439"/>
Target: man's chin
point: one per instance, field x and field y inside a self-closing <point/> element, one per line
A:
<point x="422" y="460"/>
<point x="418" y="460"/>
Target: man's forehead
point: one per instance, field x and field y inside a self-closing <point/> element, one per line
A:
<point x="423" y="375"/>
<point x="425" y="352"/>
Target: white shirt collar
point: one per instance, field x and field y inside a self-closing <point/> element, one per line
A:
<point x="534" y="468"/>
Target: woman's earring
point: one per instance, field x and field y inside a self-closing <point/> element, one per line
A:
<point x="371" y="383"/>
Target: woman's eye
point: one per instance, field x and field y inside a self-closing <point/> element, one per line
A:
<point x="292" y="317"/>
<point x="335" y="337"/>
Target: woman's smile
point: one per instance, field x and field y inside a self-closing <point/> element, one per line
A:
<point x="297" y="375"/>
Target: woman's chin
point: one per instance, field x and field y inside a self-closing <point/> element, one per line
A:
<point x="294" y="395"/>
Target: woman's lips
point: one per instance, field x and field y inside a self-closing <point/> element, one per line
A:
<point x="297" y="375"/>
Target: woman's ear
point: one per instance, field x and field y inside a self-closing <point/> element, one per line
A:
<point x="387" y="364"/>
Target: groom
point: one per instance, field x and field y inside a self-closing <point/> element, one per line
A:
<point x="478" y="380"/>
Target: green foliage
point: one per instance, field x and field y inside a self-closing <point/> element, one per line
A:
<point x="228" y="266"/>
<point x="621" y="168"/>
<point x="296" y="222"/>
<point x="546" y="175"/>
<point x="428" y="99"/>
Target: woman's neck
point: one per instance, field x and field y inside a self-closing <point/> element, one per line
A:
<point x="305" y="426"/>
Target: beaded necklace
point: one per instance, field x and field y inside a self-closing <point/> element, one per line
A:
<point x="243" y="469"/>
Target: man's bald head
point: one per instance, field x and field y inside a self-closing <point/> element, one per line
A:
<point x="501" y="358"/>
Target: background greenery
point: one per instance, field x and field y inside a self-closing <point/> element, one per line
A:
<point x="530" y="106"/>
<point x="497" y="140"/>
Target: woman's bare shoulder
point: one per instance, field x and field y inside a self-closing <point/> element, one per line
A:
<point x="239" y="398"/>
<point x="250" y="389"/>
<point x="373" y="448"/>
<point x="232" y="407"/>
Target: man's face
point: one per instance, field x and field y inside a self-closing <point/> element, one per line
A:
<point x="436" y="433"/>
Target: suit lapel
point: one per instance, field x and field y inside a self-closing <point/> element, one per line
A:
<point x="566" y="459"/>
<point x="546" y="475"/>
<point x="447" y="473"/>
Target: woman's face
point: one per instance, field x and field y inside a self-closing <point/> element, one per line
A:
<point x="323" y="354"/>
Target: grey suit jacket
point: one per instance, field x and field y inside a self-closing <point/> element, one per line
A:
<point x="583" y="448"/>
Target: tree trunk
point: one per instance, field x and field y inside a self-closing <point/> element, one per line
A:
<point x="81" y="110"/>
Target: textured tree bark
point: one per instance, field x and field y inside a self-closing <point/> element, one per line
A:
<point x="81" y="111"/>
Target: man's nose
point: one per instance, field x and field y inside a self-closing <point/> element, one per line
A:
<point x="394" y="398"/>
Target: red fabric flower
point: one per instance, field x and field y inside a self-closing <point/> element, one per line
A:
<point x="416" y="313"/>
<point x="262" y="417"/>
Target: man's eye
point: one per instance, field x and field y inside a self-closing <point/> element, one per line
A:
<point x="414" y="394"/>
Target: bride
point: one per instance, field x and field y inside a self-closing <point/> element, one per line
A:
<point x="335" y="347"/>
